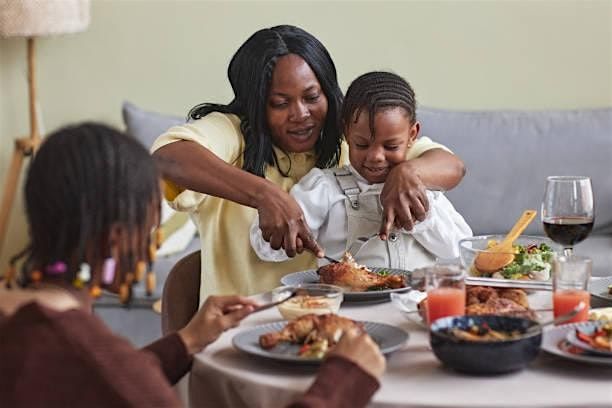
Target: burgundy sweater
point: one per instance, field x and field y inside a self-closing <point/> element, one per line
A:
<point x="71" y="359"/>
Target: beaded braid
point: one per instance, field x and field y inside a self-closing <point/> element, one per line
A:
<point x="250" y="73"/>
<point x="376" y="91"/>
<point x="84" y="180"/>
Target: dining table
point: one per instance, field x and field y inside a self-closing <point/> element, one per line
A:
<point x="223" y="376"/>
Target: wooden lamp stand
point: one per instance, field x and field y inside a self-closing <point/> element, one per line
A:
<point x="24" y="147"/>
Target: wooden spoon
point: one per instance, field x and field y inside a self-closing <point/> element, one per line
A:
<point x="502" y="254"/>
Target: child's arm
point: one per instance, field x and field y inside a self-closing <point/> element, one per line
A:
<point x="442" y="229"/>
<point x="312" y="194"/>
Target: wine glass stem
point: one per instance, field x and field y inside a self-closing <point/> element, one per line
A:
<point x="568" y="251"/>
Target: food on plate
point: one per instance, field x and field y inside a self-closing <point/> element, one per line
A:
<point x="531" y="262"/>
<point x="357" y="278"/>
<point x="316" y="333"/>
<point x="484" y="300"/>
<point x="482" y="332"/>
<point x="600" y="339"/>
<point x="604" y="314"/>
<point x="305" y="304"/>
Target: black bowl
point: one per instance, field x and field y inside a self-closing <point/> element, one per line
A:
<point x="484" y="357"/>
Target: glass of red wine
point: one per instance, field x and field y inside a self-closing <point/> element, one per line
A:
<point x="567" y="210"/>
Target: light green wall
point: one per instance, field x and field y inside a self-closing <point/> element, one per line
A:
<point x="169" y="55"/>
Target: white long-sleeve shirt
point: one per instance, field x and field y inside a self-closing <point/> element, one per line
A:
<point x="324" y="206"/>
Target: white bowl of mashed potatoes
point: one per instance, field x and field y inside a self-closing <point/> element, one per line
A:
<point x="314" y="298"/>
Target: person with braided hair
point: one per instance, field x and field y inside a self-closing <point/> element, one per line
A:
<point x="233" y="162"/>
<point x="342" y="206"/>
<point x="92" y="200"/>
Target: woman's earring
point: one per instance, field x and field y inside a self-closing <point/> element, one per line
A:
<point x="108" y="270"/>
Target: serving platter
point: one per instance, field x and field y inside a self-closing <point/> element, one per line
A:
<point x="389" y="338"/>
<point x="509" y="283"/>
<point x="599" y="288"/>
<point x="554" y="341"/>
<point x="311" y="276"/>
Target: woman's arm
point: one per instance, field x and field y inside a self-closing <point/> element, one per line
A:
<point x="193" y="167"/>
<point x="403" y="197"/>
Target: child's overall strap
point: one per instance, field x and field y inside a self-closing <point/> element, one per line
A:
<point x="348" y="185"/>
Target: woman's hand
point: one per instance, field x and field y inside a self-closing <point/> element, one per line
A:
<point x="361" y="350"/>
<point x="282" y="223"/>
<point x="216" y="315"/>
<point x="403" y="198"/>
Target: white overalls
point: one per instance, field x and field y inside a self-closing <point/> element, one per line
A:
<point x="364" y="218"/>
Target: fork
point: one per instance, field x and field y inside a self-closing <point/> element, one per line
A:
<point x="292" y="294"/>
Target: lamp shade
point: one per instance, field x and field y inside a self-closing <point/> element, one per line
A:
<point x="33" y="18"/>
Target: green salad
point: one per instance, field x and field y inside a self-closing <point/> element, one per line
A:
<point x="531" y="262"/>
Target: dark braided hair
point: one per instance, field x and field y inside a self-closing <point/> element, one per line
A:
<point x="375" y="92"/>
<point x="84" y="180"/>
<point x="250" y="73"/>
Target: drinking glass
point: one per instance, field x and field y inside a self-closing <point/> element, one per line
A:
<point x="567" y="210"/>
<point x="445" y="291"/>
<point x="570" y="286"/>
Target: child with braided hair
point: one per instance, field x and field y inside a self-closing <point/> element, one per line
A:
<point x="93" y="199"/>
<point x="342" y="207"/>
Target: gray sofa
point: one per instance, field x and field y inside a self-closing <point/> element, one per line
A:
<point x="508" y="155"/>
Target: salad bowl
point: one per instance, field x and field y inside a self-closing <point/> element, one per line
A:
<point x="532" y="257"/>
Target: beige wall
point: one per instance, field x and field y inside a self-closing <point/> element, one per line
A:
<point x="168" y="55"/>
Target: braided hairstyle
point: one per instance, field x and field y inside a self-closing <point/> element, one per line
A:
<point x="85" y="180"/>
<point x="250" y="73"/>
<point x="375" y="92"/>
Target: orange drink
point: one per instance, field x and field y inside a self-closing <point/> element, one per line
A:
<point x="570" y="283"/>
<point x="445" y="301"/>
<point x="445" y="291"/>
<point x="566" y="300"/>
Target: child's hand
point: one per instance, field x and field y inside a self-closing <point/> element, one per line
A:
<point x="361" y="350"/>
<point x="216" y="315"/>
<point x="403" y="198"/>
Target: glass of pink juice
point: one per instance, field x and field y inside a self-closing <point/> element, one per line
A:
<point x="445" y="291"/>
<point x="571" y="276"/>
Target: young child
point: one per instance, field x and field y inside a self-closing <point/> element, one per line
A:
<point x="342" y="206"/>
<point x="92" y="199"/>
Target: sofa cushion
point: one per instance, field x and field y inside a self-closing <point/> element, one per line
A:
<point x="146" y="126"/>
<point x="509" y="154"/>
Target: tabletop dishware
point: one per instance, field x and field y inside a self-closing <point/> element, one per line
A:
<point x="571" y="276"/>
<point x="558" y="319"/>
<point x="315" y="298"/>
<point x="531" y="265"/>
<point x="567" y="210"/>
<point x="445" y="289"/>
<point x="600" y="288"/>
<point x="484" y="357"/>
<point x="588" y="328"/>
<point x="311" y="276"/>
<point x="502" y="253"/>
<point x="389" y="338"/>
<point x="554" y="341"/>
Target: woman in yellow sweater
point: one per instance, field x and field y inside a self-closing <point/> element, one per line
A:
<point x="231" y="162"/>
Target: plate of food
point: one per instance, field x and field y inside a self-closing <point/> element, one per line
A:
<point x="595" y="337"/>
<point x="601" y="288"/>
<point x="359" y="282"/>
<point x="480" y="300"/>
<point x="555" y="342"/>
<point x="529" y="262"/>
<point x="307" y="339"/>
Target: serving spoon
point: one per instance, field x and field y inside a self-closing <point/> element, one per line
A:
<point x="500" y="255"/>
<point x="559" y="319"/>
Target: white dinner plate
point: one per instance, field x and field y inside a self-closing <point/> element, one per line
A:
<point x="554" y="341"/>
<point x="389" y="338"/>
<point x="311" y="276"/>
<point x="599" y="288"/>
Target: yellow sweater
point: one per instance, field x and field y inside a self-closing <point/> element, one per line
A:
<point x="229" y="265"/>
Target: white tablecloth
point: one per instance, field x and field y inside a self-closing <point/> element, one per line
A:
<point x="224" y="377"/>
